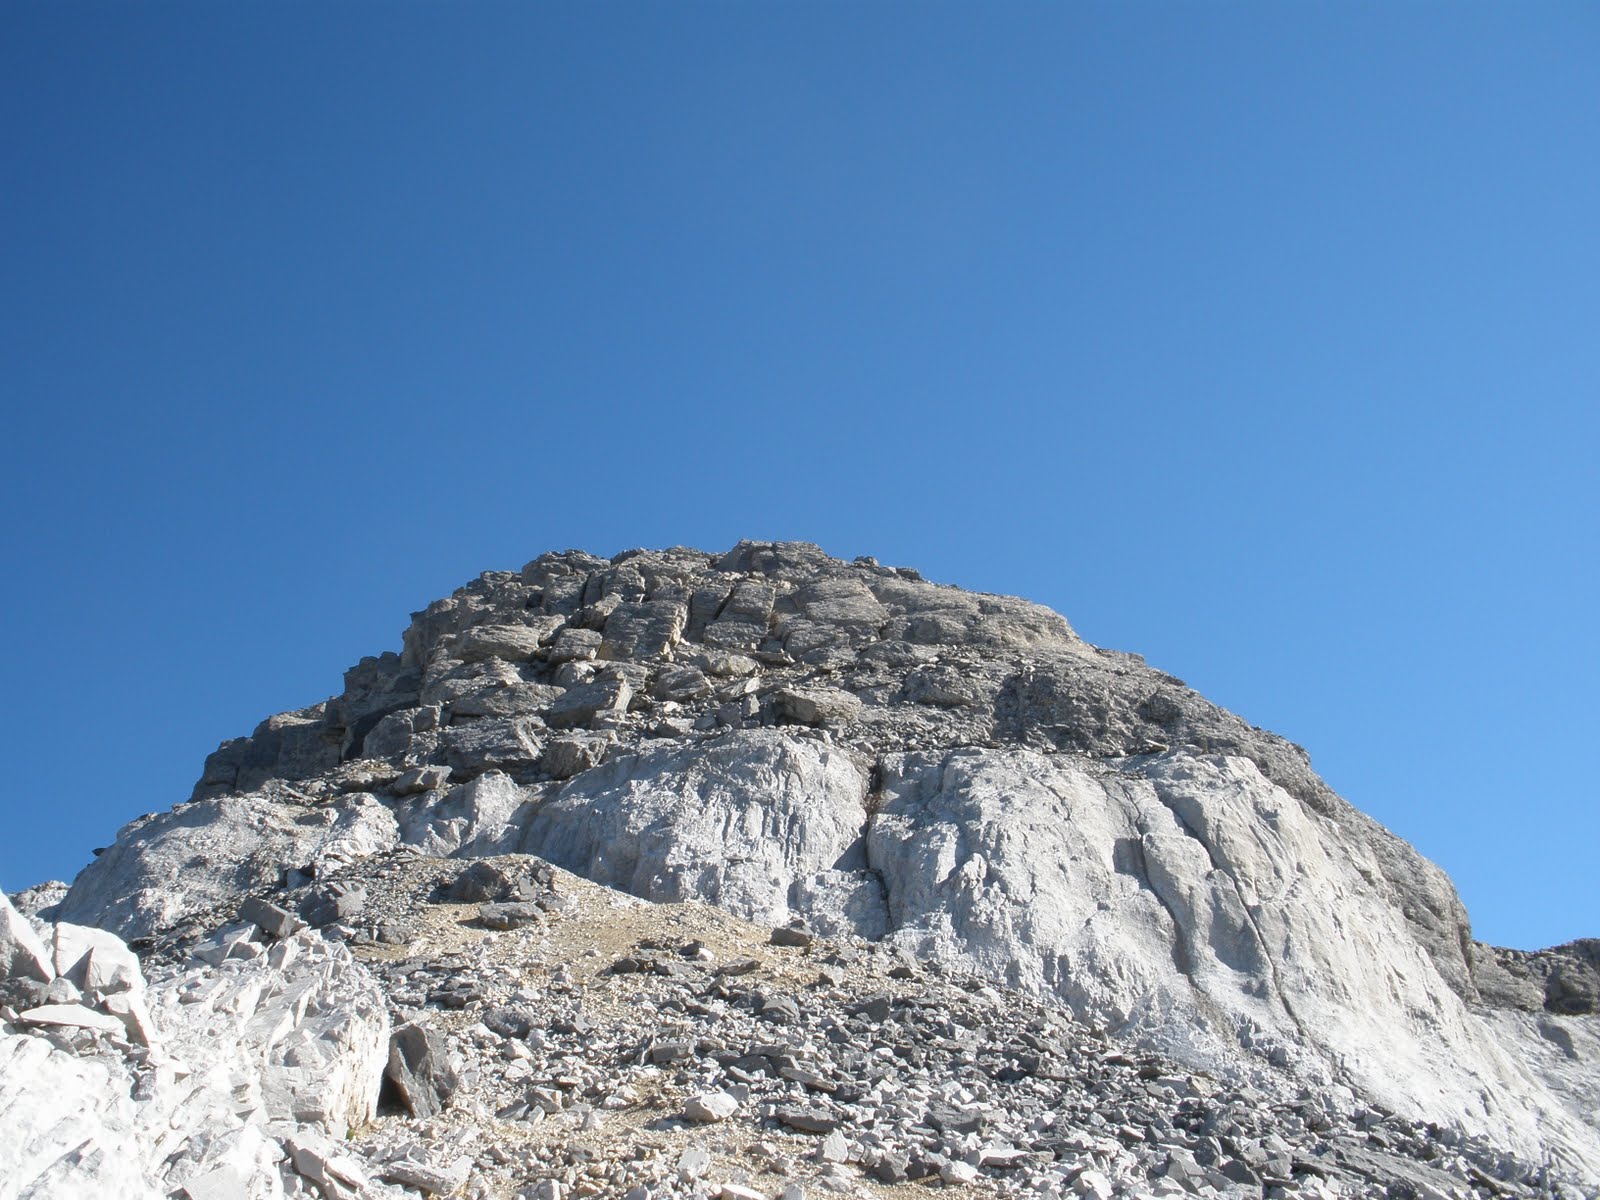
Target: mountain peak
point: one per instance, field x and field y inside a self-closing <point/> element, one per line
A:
<point x="952" y="779"/>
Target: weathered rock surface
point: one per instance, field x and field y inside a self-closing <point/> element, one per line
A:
<point x="188" y="1081"/>
<point x="736" y="821"/>
<point x="954" y="776"/>
<point x="210" y="853"/>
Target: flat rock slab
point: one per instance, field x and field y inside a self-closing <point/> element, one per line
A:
<point x="72" y="1016"/>
<point x="582" y="704"/>
<point x="435" y="1181"/>
<point x="818" y="706"/>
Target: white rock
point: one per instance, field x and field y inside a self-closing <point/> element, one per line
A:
<point x="130" y="1009"/>
<point x="734" y="821"/>
<point x="219" y="946"/>
<point x="39" y="901"/>
<point x="62" y="991"/>
<point x="693" y="1163"/>
<point x="304" y="1044"/>
<point x="315" y="1033"/>
<point x="479" y="818"/>
<point x="97" y="961"/>
<point x="71" y="1128"/>
<point x="957" y="1171"/>
<point x="420" y="779"/>
<point x="1095" y="885"/>
<point x="322" y="1161"/>
<point x="74" y="1016"/>
<point x="710" y="1106"/>
<point x="209" y="853"/>
<point x="833" y="1148"/>
<point x="426" y="1177"/>
<point x="240" y="1164"/>
<point x="22" y="952"/>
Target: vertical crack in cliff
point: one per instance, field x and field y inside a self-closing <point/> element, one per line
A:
<point x="1269" y="960"/>
<point x="1183" y="956"/>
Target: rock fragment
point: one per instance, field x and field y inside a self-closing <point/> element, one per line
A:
<point x="818" y="706"/>
<point x="427" y="1178"/>
<point x="272" y="920"/>
<point x="710" y="1107"/>
<point x="512" y="915"/>
<point x="420" y="779"/>
<point x="792" y="935"/>
<point x="75" y="1016"/>
<point x="22" y="953"/>
<point x="419" y="1070"/>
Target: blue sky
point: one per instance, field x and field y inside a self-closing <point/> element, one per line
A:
<point x="1256" y="338"/>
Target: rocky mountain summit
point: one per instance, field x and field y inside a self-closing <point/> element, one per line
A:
<point x="942" y="897"/>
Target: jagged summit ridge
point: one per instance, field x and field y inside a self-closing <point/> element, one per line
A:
<point x="790" y="736"/>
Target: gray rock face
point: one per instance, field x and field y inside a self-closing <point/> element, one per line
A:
<point x="209" y="853"/>
<point x="607" y="695"/>
<point x="789" y="736"/>
<point x="478" y="819"/>
<point x="817" y="706"/>
<point x="1194" y="901"/>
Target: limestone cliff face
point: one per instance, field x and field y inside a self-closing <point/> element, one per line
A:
<point x="787" y="735"/>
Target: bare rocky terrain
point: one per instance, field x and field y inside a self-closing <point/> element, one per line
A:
<point x="767" y="874"/>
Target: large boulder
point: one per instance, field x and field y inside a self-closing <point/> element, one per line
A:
<point x="289" y="1037"/>
<point x="71" y="1126"/>
<point x="302" y="1026"/>
<point x="476" y="820"/>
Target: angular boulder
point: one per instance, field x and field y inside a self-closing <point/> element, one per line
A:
<point x="22" y="952"/>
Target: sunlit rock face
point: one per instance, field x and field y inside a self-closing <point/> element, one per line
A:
<point x="112" y="1084"/>
<point x="791" y="737"/>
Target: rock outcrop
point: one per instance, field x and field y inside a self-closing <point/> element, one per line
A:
<point x="955" y="777"/>
<point x="184" y="1084"/>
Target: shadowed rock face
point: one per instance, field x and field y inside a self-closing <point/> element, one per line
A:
<point x="788" y="735"/>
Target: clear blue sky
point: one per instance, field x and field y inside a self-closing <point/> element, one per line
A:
<point x="1258" y="338"/>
